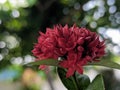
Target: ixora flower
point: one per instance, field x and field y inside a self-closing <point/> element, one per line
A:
<point x="76" y="46"/>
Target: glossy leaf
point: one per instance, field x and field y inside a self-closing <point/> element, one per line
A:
<point x="50" y="62"/>
<point x="97" y="84"/>
<point x="70" y="82"/>
<point x="82" y="81"/>
<point x="106" y="63"/>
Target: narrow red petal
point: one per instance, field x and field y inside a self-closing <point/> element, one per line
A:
<point x="70" y="72"/>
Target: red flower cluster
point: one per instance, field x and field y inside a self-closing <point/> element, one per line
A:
<point x="76" y="46"/>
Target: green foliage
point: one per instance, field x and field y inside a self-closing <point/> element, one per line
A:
<point x="82" y="81"/>
<point x="97" y="84"/>
<point x="76" y="82"/>
<point x="69" y="83"/>
<point x="14" y="25"/>
<point x="106" y="63"/>
<point x="50" y="62"/>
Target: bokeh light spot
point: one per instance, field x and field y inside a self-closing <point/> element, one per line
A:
<point x="112" y="9"/>
<point x="2" y="44"/>
<point x="1" y="57"/>
<point x="15" y="13"/>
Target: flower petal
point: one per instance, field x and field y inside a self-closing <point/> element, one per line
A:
<point x="70" y="72"/>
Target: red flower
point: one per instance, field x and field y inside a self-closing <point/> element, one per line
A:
<point x="77" y="46"/>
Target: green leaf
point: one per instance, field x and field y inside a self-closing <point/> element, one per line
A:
<point x="82" y="81"/>
<point x="97" y="83"/>
<point x="106" y="63"/>
<point x="31" y="2"/>
<point x="50" y="62"/>
<point x="70" y="82"/>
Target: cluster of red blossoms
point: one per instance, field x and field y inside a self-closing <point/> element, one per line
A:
<point x="76" y="46"/>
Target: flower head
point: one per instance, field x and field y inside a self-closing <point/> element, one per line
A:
<point x="77" y="46"/>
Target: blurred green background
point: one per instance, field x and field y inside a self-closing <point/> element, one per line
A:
<point x="20" y="22"/>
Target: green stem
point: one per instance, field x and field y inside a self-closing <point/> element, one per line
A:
<point x="75" y="82"/>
